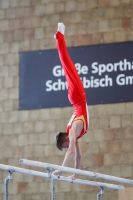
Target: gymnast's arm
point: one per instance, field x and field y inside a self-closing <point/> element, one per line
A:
<point x="70" y="152"/>
<point x="74" y="145"/>
<point x="78" y="155"/>
<point x="78" y="158"/>
<point x="71" y="149"/>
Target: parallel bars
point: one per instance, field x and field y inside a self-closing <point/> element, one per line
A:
<point x="12" y="169"/>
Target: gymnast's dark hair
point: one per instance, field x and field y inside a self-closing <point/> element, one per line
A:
<point x="60" y="139"/>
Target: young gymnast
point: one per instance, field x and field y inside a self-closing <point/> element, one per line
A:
<point x="79" y="122"/>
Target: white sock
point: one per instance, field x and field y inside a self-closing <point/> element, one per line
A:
<point x="61" y="28"/>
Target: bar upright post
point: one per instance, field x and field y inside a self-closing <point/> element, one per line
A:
<point x="53" y="188"/>
<point x="6" y="185"/>
<point x="100" y="193"/>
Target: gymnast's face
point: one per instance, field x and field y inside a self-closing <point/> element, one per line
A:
<point x="65" y="143"/>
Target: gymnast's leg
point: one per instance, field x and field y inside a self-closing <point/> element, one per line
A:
<point x="76" y="93"/>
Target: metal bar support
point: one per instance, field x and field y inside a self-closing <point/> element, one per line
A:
<point x="49" y="172"/>
<point x="100" y="193"/>
<point x="6" y="185"/>
<point x="52" y="182"/>
<point x="53" y="188"/>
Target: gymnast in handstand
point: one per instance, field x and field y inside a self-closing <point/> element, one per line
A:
<point x="79" y="122"/>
